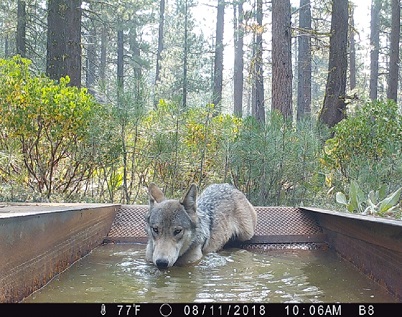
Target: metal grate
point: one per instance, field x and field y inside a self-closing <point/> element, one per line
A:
<point x="277" y="228"/>
<point x="285" y="221"/>
<point x="286" y="246"/>
<point x="129" y="225"/>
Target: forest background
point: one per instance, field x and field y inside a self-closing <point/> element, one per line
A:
<point x="292" y="102"/>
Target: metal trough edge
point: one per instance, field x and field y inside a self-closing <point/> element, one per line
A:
<point x="372" y="244"/>
<point x="38" y="241"/>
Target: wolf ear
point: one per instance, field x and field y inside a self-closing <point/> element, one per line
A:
<point x="155" y="194"/>
<point x="189" y="200"/>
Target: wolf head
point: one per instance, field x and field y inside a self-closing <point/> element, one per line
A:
<point x="171" y="226"/>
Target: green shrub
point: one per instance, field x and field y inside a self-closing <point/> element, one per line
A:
<point x="57" y="143"/>
<point x="366" y="147"/>
<point x="376" y="202"/>
<point x="277" y="164"/>
<point x="186" y="146"/>
<point x="46" y="126"/>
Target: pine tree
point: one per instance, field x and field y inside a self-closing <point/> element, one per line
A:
<point x="333" y="110"/>
<point x="258" y="108"/>
<point x="374" y="46"/>
<point x="304" y="61"/>
<point x="238" y="58"/>
<point x="281" y="58"/>
<point x="21" y="28"/>
<point x="64" y="40"/>
<point x="218" y="61"/>
<point x="393" y="72"/>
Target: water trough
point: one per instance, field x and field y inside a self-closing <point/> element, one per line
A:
<point x="39" y="241"/>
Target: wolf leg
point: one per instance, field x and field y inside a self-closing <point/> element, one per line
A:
<point x="149" y="251"/>
<point x="246" y="218"/>
<point x="219" y="238"/>
<point x="192" y="255"/>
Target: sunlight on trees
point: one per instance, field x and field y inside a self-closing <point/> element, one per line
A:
<point x="162" y="79"/>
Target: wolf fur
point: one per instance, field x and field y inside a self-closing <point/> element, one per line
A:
<point x="180" y="232"/>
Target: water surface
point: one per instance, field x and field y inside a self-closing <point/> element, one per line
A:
<point x="119" y="273"/>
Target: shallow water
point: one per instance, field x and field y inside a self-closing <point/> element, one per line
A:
<point x="119" y="273"/>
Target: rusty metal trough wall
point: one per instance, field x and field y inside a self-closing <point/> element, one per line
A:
<point x="39" y="241"/>
<point x="373" y="245"/>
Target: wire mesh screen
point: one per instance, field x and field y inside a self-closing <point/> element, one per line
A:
<point x="278" y="228"/>
<point x="285" y="221"/>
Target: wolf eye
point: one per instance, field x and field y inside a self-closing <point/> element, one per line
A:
<point x="177" y="231"/>
<point x="155" y="229"/>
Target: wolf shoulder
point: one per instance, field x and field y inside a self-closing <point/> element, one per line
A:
<point x="216" y="195"/>
<point x="224" y="200"/>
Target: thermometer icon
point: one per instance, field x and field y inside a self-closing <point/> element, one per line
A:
<point x="103" y="310"/>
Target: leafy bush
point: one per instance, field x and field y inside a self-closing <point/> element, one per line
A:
<point x="186" y="146"/>
<point x="375" y="203"/>
<point x="57" y="143"/>
<point x="45" y="128"/>
<point x="367" y="147"/>
<point x="175" y="147"/>
<point x="277" y="164"/>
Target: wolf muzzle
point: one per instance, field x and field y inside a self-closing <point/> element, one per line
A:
<point x="162" y="263"/>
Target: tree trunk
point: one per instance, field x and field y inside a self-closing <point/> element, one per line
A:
<point x="120" y="59"/>
<point x="281" y="58"/>
<point x="64" y="40"/>
<point x="218" y="62"/>
<point x="120" y="63"/>
<point x="160" y="49"/>
<point x="258" y="109"/>
<point x="238" y="59"/>
<point x="122" y="107"/>
<point x="6" y="47"/>
<point x="304" y="61"/>
<point x="392" y="91"/>
<point x="90" y="70"/>
<point x="102" y="66"/>
<point x="334" y="106"/>
<point x="375" y="46"/>
<point x="136" y="53"/>
<point x="21" y="28"/>
<point x="160" y="41"/>
<point x="185" y="57"/>
<point x="352" y="51"/>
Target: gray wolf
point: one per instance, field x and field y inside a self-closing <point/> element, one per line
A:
<point x="181" y="231"/>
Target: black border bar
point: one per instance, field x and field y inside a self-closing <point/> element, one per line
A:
<point x="201" y="309"/>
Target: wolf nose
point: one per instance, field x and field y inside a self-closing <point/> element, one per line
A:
<point x="162" y="263"/>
